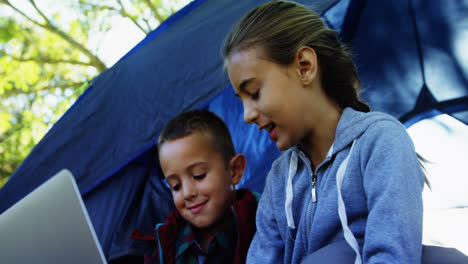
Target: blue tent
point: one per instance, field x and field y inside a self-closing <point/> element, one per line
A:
<point x="411" y="56"/>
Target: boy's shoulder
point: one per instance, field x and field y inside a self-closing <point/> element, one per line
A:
<point x="257" y="195"/>
<point x="246" y="197"/>
<point x="173" y="224"/>
<point x="245" y="210"/>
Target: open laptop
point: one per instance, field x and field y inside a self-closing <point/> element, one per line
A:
<point x="49" y="225"/>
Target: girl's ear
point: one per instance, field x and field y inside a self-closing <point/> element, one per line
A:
<point x="306" y="64"/>
<point x="237" y="166"/>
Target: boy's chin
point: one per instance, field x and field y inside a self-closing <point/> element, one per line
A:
<point x="207" y="224"/>
<point x="204" y="227"/>
<point x="201" y="223"/>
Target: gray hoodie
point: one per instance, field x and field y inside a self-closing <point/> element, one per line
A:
<point x="381" y="190"/>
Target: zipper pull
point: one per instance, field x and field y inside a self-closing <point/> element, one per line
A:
<point x="314" y="183"/>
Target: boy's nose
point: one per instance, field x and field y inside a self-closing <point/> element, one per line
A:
<point x="250" y="113"/>
<point x="189" y="192"/>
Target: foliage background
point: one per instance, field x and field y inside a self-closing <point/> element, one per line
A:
<point x="49" y="52"/>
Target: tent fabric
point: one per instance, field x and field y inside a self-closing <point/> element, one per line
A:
<point x="410" y="56"/>
<point x="404" y="46"/>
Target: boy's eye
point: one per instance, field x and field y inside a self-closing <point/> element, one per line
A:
<point x="200" y="176"/>
<point x="255" y="95"/>
<point x="175" y="187"/>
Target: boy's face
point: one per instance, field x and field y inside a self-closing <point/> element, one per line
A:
<point x="201" y="184"/>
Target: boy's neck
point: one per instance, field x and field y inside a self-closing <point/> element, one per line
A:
<point x="206" y="235"/>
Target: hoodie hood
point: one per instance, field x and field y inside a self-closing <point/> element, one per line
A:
<point x="352" y="125"/>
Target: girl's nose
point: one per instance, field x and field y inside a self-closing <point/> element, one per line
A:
<point x="250" y="113"/>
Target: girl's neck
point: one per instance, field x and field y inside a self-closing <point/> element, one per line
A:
<point x="317" y="144"/>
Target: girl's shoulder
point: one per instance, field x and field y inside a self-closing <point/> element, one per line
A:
<point x="387" y="137"/>
<point x="385" y="127"/>
<point x="369" y="126"/>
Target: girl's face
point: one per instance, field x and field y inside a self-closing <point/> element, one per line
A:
<point x="274" y="96"/>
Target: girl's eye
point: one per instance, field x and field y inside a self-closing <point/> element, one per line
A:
<point x="175" y="187"/>
<point x="255" y="95"/>
<point x="199" y="177"/>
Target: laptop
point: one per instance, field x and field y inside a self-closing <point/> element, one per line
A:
<point x="50" y="225"/>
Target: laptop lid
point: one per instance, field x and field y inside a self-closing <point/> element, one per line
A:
<point x="49" y="225"/>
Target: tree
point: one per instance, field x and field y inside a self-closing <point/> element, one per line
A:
<point x="47" y="61"/>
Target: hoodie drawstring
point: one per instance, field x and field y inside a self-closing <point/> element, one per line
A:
<point x="348" y="235"/>
<point x="289" y="190"/>
<point x="289" y="187"/>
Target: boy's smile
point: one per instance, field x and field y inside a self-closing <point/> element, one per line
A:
<point x="197" y="208"/>
<point x="201" y="182"/>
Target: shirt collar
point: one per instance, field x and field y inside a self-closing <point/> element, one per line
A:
<point x="226" y="240"/>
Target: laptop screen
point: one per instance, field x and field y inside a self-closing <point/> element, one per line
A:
<point x="49" y="225"/>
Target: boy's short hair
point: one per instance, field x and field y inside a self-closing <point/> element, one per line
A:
<point x="203" y="121"/>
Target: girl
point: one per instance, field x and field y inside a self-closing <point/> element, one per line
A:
<point x="348" y="176"/>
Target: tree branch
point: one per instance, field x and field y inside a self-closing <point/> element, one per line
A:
<point x="40" y="59"/>
<point x="95" y="61"/>
<point x="99" y="7"/>
<point x="74" y="85"/>
<point x="148" y="25"/>
<point x="15" y="91"/>
<point x="40" y="12"/>
<point x="124" y="13"/>
<point x="155" y="11"/>
<point x="6" y="2"/>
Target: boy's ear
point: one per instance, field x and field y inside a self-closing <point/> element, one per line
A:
<point x="306" y="64"/>
<point x="237" y="166"/>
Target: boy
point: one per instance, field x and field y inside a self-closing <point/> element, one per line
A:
<point x="213" y="222"/>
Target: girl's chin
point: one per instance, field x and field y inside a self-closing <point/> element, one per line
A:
<point x="282" y="146"/>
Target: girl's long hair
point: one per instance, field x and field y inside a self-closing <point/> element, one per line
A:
<point x="281" y="28"/>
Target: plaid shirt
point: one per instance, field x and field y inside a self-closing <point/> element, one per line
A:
<point x="220" y="249"/>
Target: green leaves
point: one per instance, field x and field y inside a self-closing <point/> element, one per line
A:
<point x="8" y="28"/>
<point x="47" y="59"/>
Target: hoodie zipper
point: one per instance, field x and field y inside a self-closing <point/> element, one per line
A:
<point x="313" y="176"/>
<point x="313" y="200"/>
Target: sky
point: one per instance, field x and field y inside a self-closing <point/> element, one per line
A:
<point x="115" y="43"/>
